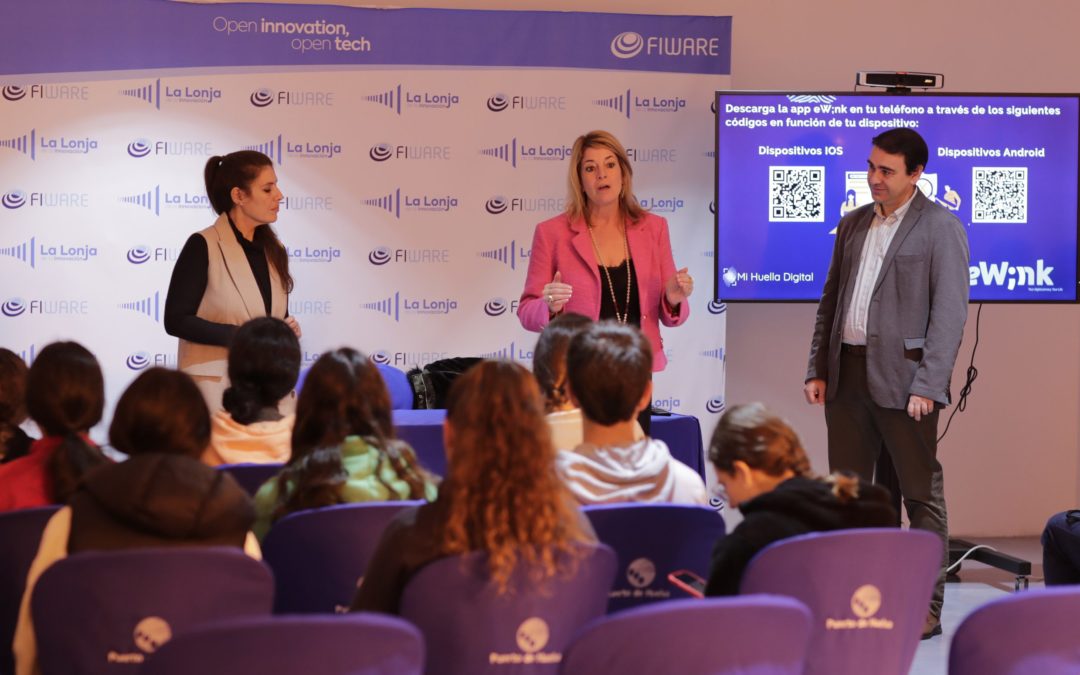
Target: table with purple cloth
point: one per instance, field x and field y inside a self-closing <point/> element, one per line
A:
<point x="422" y="429"/>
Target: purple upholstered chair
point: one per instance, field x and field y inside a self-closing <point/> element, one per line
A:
<point x="653" y="540"/>
<point x="716" y="636"/>
<point x="318" y="556"/>
<point x="20" y="533"/>
<point x="868" y="590"/>
<point x="1029" y="632"/>
<point x="105" y="612"/>
<point x="470" y="629"/>
<point x="356" y="644"/>
<point x="397" y="383"/>
<point x="251" y="476"/>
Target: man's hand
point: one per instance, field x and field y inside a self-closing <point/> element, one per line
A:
<point x="917" y="406"/>
<point x="814" y="390"/>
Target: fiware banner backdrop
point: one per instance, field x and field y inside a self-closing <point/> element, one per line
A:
<point x="417" y="150"/>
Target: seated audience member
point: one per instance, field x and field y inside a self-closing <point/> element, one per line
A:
<point x="549" y="367"/>
<point x="264" y="364"/>
<point x="1061" y="549"/>
<point x="765" y="473"/>
<point x="14" y="442"/>
<point x="501" y="494"/>
<point x="65" y="396"/>
<point x="343" y="445"/>
<point x="161" y="496"/>
<point x="610" y="372"/>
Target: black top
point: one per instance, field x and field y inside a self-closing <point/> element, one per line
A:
<point x="17" y="445"/>
<point x="188" y="284"/>
<point x="618" y="279"/>
<point x="796" y="506"/>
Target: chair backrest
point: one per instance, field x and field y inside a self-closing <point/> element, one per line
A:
<point x="653" y="540"/>
<point x="20" y="533"/>
<point x="251" y="476"/>
<point x="714" y="636"/>
<point x="471" y="629"/>
<point x="356" y="644"/>
<point x="397" y="382"/>
<point x="1029" y="632"/>
<point x="868" y="590"/>
<point x="320" y="556"/>
<point x="104" y="612"/>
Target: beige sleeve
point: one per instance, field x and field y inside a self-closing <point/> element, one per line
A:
<point x="53" y="547"/>
<point x="251" y="546"/>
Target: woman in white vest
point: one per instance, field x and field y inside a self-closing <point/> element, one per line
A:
<point x="232" y="271"/>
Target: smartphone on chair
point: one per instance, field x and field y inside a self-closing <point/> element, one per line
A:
<point x="689" y="582"/>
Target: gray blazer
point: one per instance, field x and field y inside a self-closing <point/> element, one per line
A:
<point x="919" y="303"/>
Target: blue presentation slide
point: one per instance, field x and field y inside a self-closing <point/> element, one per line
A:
<point x="788" y="166"/>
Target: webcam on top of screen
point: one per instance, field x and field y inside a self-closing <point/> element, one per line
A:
<point x="899" y="80"/>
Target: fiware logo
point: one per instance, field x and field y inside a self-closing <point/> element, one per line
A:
<point x="382" y="356"/>
<point x="264" y="97"/>
<point x="138" y="254"/>
<point x="501" y="204"/>
<point x="717" y="307"/>
<point x="496" y="307"/>
<point x="501" y="102"/>
<point x="383" y="255"/>
<point x="142" y="360"/>
<point x="13" y="307"/>
<point x="715" y="404"/>
<point x="382" y="152"/>
<point x="24" y="144"/>
<point x="14" y="199"/>
<point x="14" y="93"/>
<point x="627" y="45"/>
<point x="149" y="306"/>
<point x="260" y="98"/>
<point x="379" y="256"/>
<point x="138" y="361"/>
<point x="144" y="147"/>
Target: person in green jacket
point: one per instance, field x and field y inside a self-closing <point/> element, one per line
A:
<point x="343" y="445"/>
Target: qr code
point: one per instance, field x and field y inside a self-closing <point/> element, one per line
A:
<point x="797" y="194"/>
<point x="999" y="194"/>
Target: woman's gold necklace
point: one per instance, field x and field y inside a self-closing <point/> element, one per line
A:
<point x="625" y="316"/>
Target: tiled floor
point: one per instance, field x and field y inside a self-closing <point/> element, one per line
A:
<point x="978" y="585"/>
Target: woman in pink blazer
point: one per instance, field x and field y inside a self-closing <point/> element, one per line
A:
<point x="582" y="260"/>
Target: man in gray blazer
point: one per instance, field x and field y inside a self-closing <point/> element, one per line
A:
<point x="888" y="328"/>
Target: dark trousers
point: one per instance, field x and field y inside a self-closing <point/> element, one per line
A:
<point x="858" y="428"/>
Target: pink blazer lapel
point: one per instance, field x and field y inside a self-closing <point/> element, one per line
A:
<point x="582" y="243"/>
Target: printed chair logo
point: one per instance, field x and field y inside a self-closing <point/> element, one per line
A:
<point x="496" y="307"/>
<point x="149" y="635"/>
<point x="715" y="404"/>
<point x="507" y="255"/>
<point x="140" y="147"/>
<point x="46" y="92"/>
<point x="24" y="144"/>
<point x="263" y="97"/>
<point x="627" y="45"/>
<point x="14" y="199"/>
<point x="627" y="102"/>
<point x="13" y="307"/>
<point x="865" y="603"/>
<point x="14" y="93"/>
<point x="149" y="306"/>
<point x="531" y="637"/>
<point x="641" y="572"/>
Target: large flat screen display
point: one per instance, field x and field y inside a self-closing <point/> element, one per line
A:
<point x="789" y="165"/>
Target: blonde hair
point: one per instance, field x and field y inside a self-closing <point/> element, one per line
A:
<point x="576" y="201"/>
<point x="502" y="494"/>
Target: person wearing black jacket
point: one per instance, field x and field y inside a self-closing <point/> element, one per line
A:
<point x="765" y="473"/>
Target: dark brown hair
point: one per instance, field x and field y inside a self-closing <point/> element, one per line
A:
<point x="549" y="357"/>
<point x="65" y="396"/>
<point x="264" y="363"/>
<point x="906" y="142"/>
<point x="610" y="366"/>
<point x="240" y="170"/>
<point x="161" y="411"/>
<point x="343" y="395"/>
<point x="12" y="393"/>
